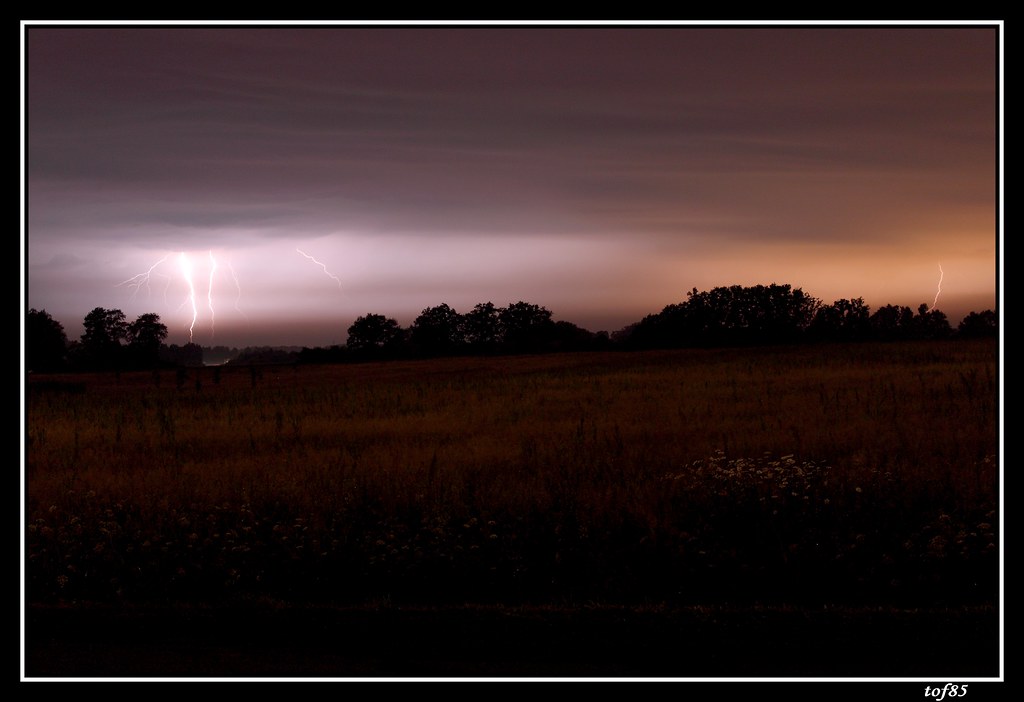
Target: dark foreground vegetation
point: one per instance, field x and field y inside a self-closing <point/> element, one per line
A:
<point x="793" y="510"/>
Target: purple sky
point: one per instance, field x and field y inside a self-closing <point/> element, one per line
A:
<point x="601" y="172"/>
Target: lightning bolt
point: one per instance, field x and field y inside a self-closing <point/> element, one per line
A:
<point x="936" y="300"/>
<point x="186" y="272"/>
<point x="329" y="274"/>
<point x="209" y="293"/>
<point x="238" y="290"/>
<point x="190" y="268"/>
<point x="142" y="279"/>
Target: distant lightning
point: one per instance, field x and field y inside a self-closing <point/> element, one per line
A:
<point x="209" y="293"/>
<point x="936" y="300"/>
<point x="190" y="267"/>
<point x="186" y="271"/>
<point x="329" y="274"/>
<point x="238" y="290"/>
<point x="142" y="279"/>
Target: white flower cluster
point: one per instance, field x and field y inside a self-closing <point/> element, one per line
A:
<point x="771" y="477"/>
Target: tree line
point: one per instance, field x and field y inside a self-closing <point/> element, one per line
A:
<point x="723" y="316"/>
<point x="109" y="342"/>
<point x="774" y="314"/>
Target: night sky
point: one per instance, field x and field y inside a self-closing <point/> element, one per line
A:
<point x="302" y="177"/>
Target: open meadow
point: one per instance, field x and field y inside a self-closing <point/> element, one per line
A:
<point x="834" y="483"/>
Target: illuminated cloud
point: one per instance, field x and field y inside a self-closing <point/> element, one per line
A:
<point x="600" y="172"/>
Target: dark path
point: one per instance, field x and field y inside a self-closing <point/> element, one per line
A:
<point x="509" y="643"/>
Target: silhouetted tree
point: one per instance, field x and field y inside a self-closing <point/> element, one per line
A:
<point x="145" y="336"/>
<point x="843" y="320"/>
<point x="765" y="314"/>
<point x="621" y="337"/>
<point x="892" y="323"/>
<point x="526" y="328"/>
<point x="482" y="328"/>
<point x="566" y="336"/>
<point x="101" y="341"/>
<point x="374" y="336"/>
<point x="978" y="324"/>
<point x="930" y="324"/>
<point x="46" y="344"/>
<point x="666" y="329"/>
<point x="438" y="331"/>
<point x="727" y="316"/>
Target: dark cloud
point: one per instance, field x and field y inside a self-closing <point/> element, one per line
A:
<point x="677" y="140"/>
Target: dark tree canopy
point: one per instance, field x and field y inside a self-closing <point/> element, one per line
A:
<point x="724" y="316"/>
<point x="104" y="328"/>
<point x="892" y="322"/>
<point x="526" y="327"/>
<point x="374" y="335"/>
<point x="930" y="324"/>
<point x="438" y="331"/>
<point x="843" y="320"/>
<point x="145" y="336"/>
<point x="147" y="331"/>
<point x="46" y="344"/>
<point x="979" y="324"/>
<point x="482" y="327"/>
<point x="101" y="340"/>
<point x="567" y="336"/>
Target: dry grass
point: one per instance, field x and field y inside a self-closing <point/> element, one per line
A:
<point x="855" y="473"/>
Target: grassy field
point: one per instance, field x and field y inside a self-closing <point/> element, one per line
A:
<point x="859" y="478"/>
